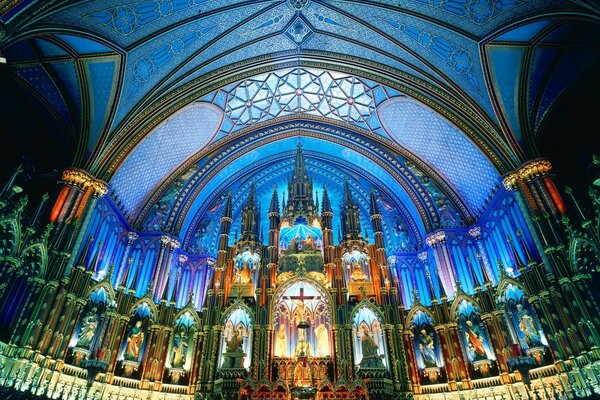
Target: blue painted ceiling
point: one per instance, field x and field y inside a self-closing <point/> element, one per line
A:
<point x="410" y="97"/>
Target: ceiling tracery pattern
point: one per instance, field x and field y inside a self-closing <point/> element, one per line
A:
<point x="301" y="90"/>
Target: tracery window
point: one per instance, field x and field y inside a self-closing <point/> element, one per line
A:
<point x="299" y="90"/>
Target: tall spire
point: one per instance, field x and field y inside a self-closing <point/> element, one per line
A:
<point x="374" y="207"/>
<point x="348" y="199"/>
<point x="274" y="207"/>
<point x="251" y="195"/>
<point x="250" y="218"/>
<point x="299" y="166"/>
<point x="300" y="191"/>
<point x="326" y="203"/>
<point x="350" y="215"/>
<point x="227" y="209"/>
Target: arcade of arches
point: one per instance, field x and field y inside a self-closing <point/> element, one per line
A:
<point x="296" y="199"/>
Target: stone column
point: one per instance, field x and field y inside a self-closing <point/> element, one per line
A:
<point x="75" y="204"/>
<point x="437" y="241"/>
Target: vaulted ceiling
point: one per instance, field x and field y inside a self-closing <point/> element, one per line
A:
<point x="177" y="102"/>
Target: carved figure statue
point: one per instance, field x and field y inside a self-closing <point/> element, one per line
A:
<point x="368" y="346"/>
<point x="302" y="345"/>
<point x="322" y="341"/>
<point x="179" y="352"/>
<point x="357" y="274"/>
<point x="88" y="329"/>
<point x="309" y="243"/>
<point x="447" y="219"/>
<point x="293" y="247"/>
<point x="300" y="310"/>
<point x="236" y="342"/>
<point x="427" y="348"/>
<point x="134" y="342"/>
<point x="245" y="274"/>
<point x="475" y="345"/>
<point x="281" y="342"/>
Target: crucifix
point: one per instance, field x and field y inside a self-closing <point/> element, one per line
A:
<point x="299" y="301"/>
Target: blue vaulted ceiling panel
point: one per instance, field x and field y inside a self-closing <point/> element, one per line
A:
<point x="442" y="146"/>
<point x="101" y="74"/>
<point x="50" y="49"/>
<point x="37" y="77"/>
<point x="453" y="54"/>
<point x="19" y="52"/>
<point x="506" y="64"/>
<point x="128" y="22"/>
<point x="82" y="45"/>
<point x="66" y="71"/>
<point x="571" y="65"/>
<point x="156" y="60"/>
<point x="524" y="33"/>
<point x="161" y="151"/>
<point x="541" y="61"/>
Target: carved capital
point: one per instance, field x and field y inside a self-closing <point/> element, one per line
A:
<point x="436" y="238"/>
<point x="83" y="180"/>
<point x="526" y="173"/>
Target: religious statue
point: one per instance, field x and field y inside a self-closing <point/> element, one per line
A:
<point x="88" y="329"/>
<point x="179" y="351"/>
<point x="236" y="341"/>
<point x="300" y="310"/>
<point x="160" y="212"/>
<point x="475" y="346"/>
<point x="402" y="233"/>
<point x="357" y="274"/>
<point x="427" y="348"/>
<point x="309" y="243"/>
<point x="293" y="247"/>
<point x="134" y="342"/>
<point x="368" y="346"/>
<point x="528" y="327"/>
<point x="281" y="342"/>
<point x="447" y="218"/>
<point x="302" y="345"/>
<point x="245" y="273"/>
<point x="370" y="351"/>
<point x="322" y="341"/>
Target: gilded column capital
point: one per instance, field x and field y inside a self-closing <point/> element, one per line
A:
<point x="83" y="180"/>
<point x="132" y="237"/>
<point x="435" y="238"/>
<point x="526" y="173"/>
<point x="182" y="259"/>
<point x="171" y="242"/>
<point x="475" y="232"/>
